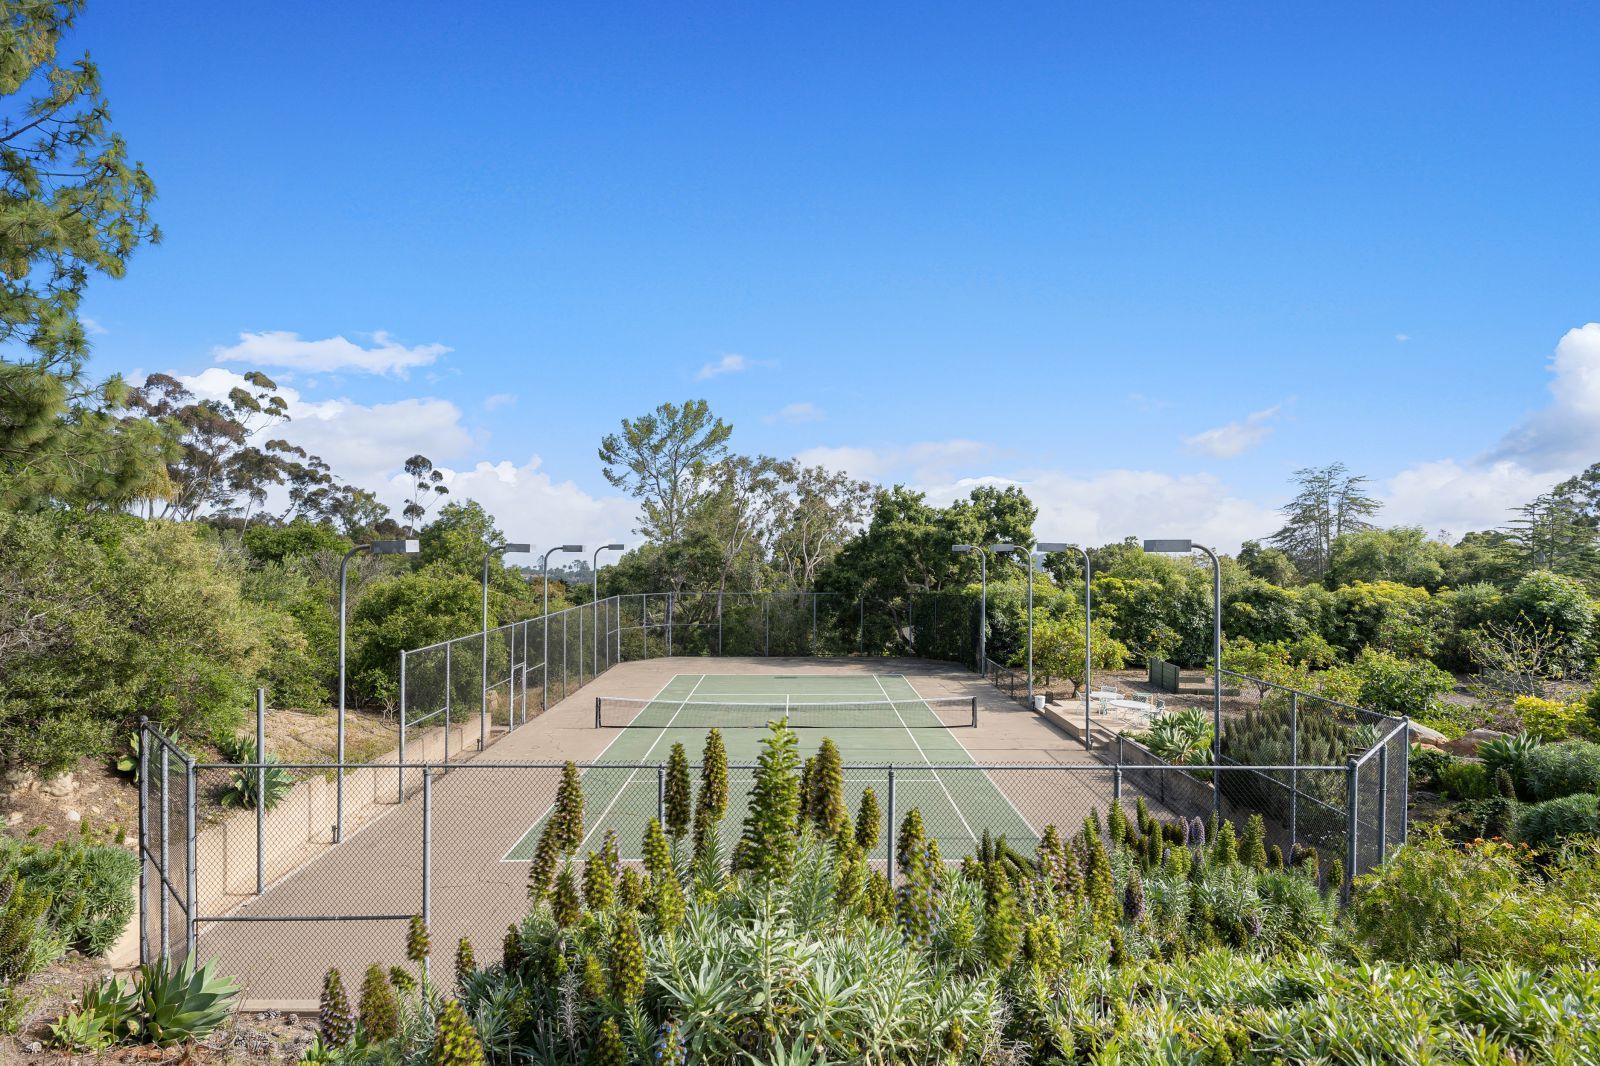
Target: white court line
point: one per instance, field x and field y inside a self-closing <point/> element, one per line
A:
<point x="953" y="804"/>
<point x="661" y="732"/>
<point x="985" y="773"/>
<point x="620" y="734"/>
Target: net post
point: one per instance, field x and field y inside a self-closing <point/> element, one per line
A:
<point x="974" y="712"/>
<point x="888" y="836"/>
<point x="597" y="712"/>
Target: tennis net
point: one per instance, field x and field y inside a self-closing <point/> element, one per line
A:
<point x="940" y="712"/>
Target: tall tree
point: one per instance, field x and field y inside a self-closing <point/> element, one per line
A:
<point x="72" y="205"/>
<point x="1331" y="502"/>
<point x="665" y="460"/>
<point x="427" y="485"/>
<point x="1559" y="531"/>
<point x="814" y="513"/>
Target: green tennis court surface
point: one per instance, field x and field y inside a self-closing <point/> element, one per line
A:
<point x="874" y="719"/>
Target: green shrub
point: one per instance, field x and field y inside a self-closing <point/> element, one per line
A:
<point x="1547" y="719"/>
<point x="89" y="885"/>
<point x="1555" y="770"/>
<point x="1553" y="823"/>
<point x="1466" y="781"/>
<point x="1405" y="687"/>
<point x="141" y="618"/>
<point x="1425" y="765"/>
<point x="1435" y="901"/>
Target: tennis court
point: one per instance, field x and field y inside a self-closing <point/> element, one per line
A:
<point x="875" y="719"/>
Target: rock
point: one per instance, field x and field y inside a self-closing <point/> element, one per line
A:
<point x="1421" y="734"/>
<point x="1469" y="744"/>
<point x="14" y="818"/>
<point x="16" y="779"/>
<point x="34" y="1048"/>
<point x="63" y="784"/>
<point x="74" y="816"/>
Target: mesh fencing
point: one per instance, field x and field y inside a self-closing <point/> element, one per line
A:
<point x="457" y="849"/>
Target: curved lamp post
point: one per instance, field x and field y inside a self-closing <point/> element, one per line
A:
<point x="983" y="603"/>
<point x="377" y="547"/>
<point x="1184" y="547"/>
<point x="544" y="576"/>
<point x="594" y="572"/>
<point x="483" y="701"/>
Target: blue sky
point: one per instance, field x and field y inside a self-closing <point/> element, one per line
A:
<point x="1146" y="260"/>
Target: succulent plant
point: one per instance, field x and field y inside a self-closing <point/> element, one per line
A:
<point x="179" y="1003"/>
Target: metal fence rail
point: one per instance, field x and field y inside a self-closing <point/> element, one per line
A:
<point x="437" y="854"/>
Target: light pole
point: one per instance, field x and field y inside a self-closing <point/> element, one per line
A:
<point x="483" y="702"/>
<point x="594" y="572"/>
<point x="983" y="603"/>
<point x="544" y="576"/>
<point x="1040" y="551"/>
<point x="1184" y="547"/>
<point x="377" y="547"/>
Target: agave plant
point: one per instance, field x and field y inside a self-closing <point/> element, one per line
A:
<point x="127" y="762"/>
<point x="241" y="788"/>
<point x="105" y="1015"/>
<point x="182" y="1003"/>
<point x="1182" y="736"/>
<point x="1508" y="753"/>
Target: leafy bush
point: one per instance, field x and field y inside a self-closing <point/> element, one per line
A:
<point x="1392" y="685"/>
<point x="1466" y="781"/>
<point x="1553" y="823"/>
<point x="1547" y="719"/>
<point x="1435" y="901"/>
<point x="1551" y="771"/>
<point x="131" y="618"/>
<point x="89" y="886"/>
<point x="1425" y="765"/>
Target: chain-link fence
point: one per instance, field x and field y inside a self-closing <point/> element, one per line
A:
<point x="457" y="850"/>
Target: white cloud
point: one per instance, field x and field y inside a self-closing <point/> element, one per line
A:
<point x="91" y="326"/>
<point x="1446" y="496"/>
<point x="732" y="363"/>
<point x="528" y="504"/>
<point x="498" y="400"/>
<point x="795" y="414"/>
<point x="363" y="444"/>
<point x="366" y="445"/>
<point x="1402" y="337"/>
<point x="1567" y="430"/>
<point x="282" y="348"/>
<point x="1112" y="504"/>
<point x="1235" y="438"/>
<point x="926" y="462"/>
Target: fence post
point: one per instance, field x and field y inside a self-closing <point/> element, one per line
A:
<point x="1352" y="775"/>
<point x="1383" y="801"/>
<point x="1294" y="774"/>
<point x="719" y="622"/>
<point x="449" y="686"/>
<point x="261" y="790"/>
<point x="670" y="598"/>
<point x="400" y="765"/>
<point x="766" y="626"/>
<point x="813" y="596"/>
<point x="1405" y="783"/>
<point x="1116" y="772"/>
<point x="427" y="852"/>
<point x="888" y="836"/>
<point x="565" y="684"/>
<point x="144" y="840"/>
<point x="861" y="626"/>
<point x="190" y="878"/>
<point x="580" y="647"/>
<point x="163" y="888"/>
<point x="661" y="794"/>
